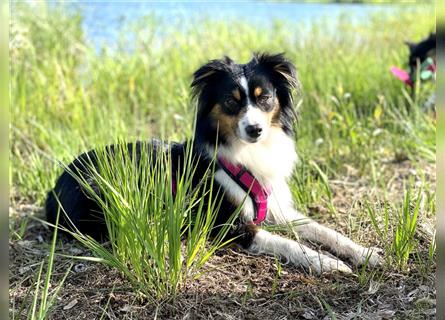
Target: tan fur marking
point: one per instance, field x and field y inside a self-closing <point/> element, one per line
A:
<point x="274" y="114"/>
<point x="205" y="75"/>
<point x="257" y="91"/>
<point x="226" y="124"/>
<point x="236" y="94"/>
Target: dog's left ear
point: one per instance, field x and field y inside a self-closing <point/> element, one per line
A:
<point x="281" y="67"/>
<point x="284" y="77"/>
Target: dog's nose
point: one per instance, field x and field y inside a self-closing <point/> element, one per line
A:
<point x="254" y="131"/>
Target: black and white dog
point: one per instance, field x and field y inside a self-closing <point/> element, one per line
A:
<point x="245" y="115"/>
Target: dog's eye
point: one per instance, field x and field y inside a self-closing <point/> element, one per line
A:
<point x="231" y="104"/>
<point x="265" y="98"/>
<point x="231" y="101"/>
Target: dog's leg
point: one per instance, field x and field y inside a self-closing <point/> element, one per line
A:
<point x="341" y="245"/>
<point x="336" y="242"/>
<point x="313" y="231"/>
<point x="264" y="242"/>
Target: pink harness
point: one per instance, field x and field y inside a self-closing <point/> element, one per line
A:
<point x="258" y="193"/>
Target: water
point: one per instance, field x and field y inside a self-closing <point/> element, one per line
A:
<point x="104" y="21"/>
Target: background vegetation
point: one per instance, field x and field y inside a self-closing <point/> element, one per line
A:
<point x="366" y="146"/>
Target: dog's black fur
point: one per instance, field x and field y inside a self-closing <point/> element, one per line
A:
<point x="212" y="85"/>
<point x="419" y="52"/>
<point x="80" y="207"/>
<point x="245" y="116"/>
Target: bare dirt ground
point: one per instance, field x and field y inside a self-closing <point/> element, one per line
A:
<point x="234" y="286"/>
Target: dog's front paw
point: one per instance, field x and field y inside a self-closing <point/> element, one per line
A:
<point x="325" y="264"/>
<point x="368" y="256"/>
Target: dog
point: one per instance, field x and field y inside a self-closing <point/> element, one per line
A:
<point x="420" y="52"/>
<point x="422" y="55"/>
<point x="422" y="64"/>
<point x="245" y="115"/>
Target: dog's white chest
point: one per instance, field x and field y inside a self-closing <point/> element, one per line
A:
<point x="271" y="162"/>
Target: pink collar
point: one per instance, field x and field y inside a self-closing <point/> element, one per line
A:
<point x="258" y="193"/>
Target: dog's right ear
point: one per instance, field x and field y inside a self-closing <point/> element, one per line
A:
<point x="205" y="80"/>
<point x="210" y="72"/>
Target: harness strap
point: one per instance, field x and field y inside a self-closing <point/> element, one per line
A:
<point x="257" y="192"/>
<point x="244" y="178"/>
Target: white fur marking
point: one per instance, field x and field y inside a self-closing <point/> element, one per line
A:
<point x="253" y="116"/>
<point x="295" y="253"/>
<point x="270" y="160"/>
<point x="237" y="194"/>
<point x="244" y="85"/>
<point x="282" y="211"/>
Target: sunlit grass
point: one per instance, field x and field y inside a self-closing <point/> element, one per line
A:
<point x="396" y="225"/>
<point x="66" y="97"/>
<point x="355" y="118"/>
<point x="157" y="239"/>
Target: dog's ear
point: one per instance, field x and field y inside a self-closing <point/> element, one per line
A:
<point x="411" y="45"/>
<point x="280" y="66"/>
<point x="284" y="77"/>
<point x="209" y="72"/>
<point x="204" y="80"/>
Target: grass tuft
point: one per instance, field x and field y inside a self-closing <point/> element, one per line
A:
<point x="158" y="240"/>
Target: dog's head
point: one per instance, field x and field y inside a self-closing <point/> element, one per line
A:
<point x="244" y="101"/>
<point x="419" y="52"/>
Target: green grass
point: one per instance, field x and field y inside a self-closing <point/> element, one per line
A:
<point x="61" y="88"/>
<point x="357" y="122"/>
<point x="398" y="226"/>
<point x="43" y="299"/>
<point x="158" y="240"/>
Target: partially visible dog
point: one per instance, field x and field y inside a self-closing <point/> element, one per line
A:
<point x="422" y="65"/>
<point x="420" y="52"/>
<point x="246" y="115"/>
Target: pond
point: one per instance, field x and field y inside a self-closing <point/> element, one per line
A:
<point x="104" y="21"/>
